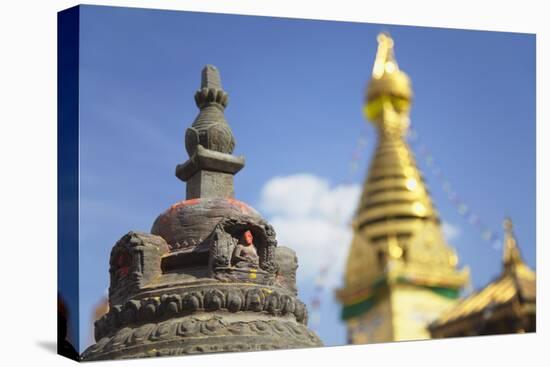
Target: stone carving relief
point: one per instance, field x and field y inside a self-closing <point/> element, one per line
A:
<point x="202" y="299"/>
<point x="243" y="244"/>
<point x="135" y="261"/>
<point x="201" y="335"/>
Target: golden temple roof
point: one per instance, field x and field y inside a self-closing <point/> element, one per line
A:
<point x="516" y="282"/>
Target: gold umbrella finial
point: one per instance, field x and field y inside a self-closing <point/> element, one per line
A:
<point x="385" y="60"/>
<point x="387" y="78"/>
<point x="389" y="91"/>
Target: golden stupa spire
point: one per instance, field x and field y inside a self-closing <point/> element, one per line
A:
<point x="395" y="190"/>
<point x="398" y="244"/>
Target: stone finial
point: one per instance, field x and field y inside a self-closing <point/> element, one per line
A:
<point x="209" y="142"/>
<point x="211" y="78"/>
<point x="211" y="93"/>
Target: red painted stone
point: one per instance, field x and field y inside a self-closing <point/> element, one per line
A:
<point x="189" y="222"/>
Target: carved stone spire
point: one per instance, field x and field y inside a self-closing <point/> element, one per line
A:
<point x="209" y="142"/>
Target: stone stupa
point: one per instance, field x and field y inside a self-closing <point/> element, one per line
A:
<point x="209" y="277"/>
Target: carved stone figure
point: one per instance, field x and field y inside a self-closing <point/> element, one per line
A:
<point x="245" y="255"/>
<point x="210" y="276"/>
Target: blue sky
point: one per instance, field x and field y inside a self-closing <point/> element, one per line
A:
<point x="296" y="90"/>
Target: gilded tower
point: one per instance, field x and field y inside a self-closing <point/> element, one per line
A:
<point x="401" y="274"/>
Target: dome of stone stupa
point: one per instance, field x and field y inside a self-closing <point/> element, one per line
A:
<point x="189" y="222"/>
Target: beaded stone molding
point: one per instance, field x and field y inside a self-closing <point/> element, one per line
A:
<point x="224" y="298"/>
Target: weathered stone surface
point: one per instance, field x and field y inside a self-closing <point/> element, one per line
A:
<point x="135" y="261"/>
<point x="209" y="160"/>
<point x="209" y="143"/>
<point x="287" y="263"/>
<point x="210" y="184"/>
<point x="199" y="299"/>
<point x="187" y="223"/>
<point x="192" y="335"/>
<point x="210" y="78"/>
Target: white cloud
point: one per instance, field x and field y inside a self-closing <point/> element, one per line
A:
<point x="312" y="218"/>
<point x="450" y="231"/>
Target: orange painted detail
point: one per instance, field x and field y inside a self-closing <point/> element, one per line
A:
<point x="242" y="206"/>
<point x="184" y="203"/>
<point x="248" y="238"/>
<point x="123" y="271"/>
